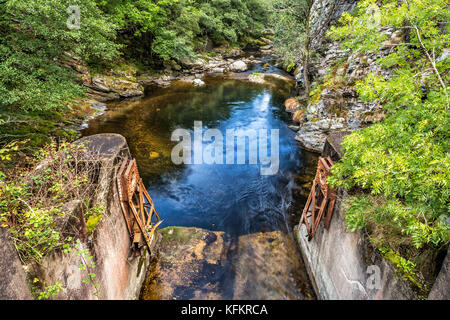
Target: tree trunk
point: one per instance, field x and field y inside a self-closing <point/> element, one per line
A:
<point x="307" y="48"/>
<point x="305" y="73"/>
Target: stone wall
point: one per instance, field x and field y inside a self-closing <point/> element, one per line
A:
<point x="119" y="273"/>
<point x="342" y="264"/>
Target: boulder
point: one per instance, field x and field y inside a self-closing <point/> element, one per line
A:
<point x="124" y="88"/>
<point x="189" y="64"/>
<point x="298" y="116"/>
<point x="266" y="47"/>
<point x="256" y="78"/>
<point x="291" y="104"/>
<point x="312" y="134"/>
<point x="218" y="70"/>
<point x="238" y="66"/>
<point x="198" y="82"/>
<point x="440" y="289"/>
<point x="310" y="140"/>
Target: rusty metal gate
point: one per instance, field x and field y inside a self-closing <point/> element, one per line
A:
<point x="321" y="199"/>
<point x="137" y="206"/>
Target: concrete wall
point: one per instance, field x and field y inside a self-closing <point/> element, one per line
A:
<point x="342" y="265"/>
<point x="13" y="284"/>
<point x="118" y="272"/>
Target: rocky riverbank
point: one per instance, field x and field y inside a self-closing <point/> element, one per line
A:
<point x="126" y="82"/>
<point x="333" y="104"/>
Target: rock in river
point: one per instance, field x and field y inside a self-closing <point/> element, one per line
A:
<point x="198" y="82"/>
<point x="291" y="104"/>
<point x="238" y="66"/>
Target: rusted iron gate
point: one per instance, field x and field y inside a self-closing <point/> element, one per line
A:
<point x="137" y="206"/>
<point x="321" y="199"/>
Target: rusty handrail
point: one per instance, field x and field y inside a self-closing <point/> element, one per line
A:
<point x="138" y="214"/>
<point x="320" y="193"/>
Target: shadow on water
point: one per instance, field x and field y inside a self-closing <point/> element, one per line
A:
<point x="251" y="209"/>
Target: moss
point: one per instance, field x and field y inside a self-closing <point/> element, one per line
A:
<point x="331" y="81"/>
<point x="406" y="269"/>
<point x="141" y="263"/>
<point x="180" y="234"/>
<point x="92" y="223"/>
<point x="210" y="53"/>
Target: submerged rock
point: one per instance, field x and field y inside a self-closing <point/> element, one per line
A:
<point x="195" y="263"/>
<point x="256" y="78"/>
<point x="269" y="267"/>
<point x="190" y="265"/>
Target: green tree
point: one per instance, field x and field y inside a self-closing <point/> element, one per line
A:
<point x="403" y="162"/>
<point x="294" y="32"/>
<point x="175" y="29"/>
<point x="231" y="20"/>
<point x="34" y="38"/>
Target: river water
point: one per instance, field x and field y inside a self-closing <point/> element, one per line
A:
<point x="233" y="198"/>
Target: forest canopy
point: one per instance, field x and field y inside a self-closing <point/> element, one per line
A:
<point x="34" y="37"/>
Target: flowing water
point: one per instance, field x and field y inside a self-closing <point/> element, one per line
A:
<point x="233" y="198"/>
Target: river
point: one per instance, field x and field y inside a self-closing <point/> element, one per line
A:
<point x="233" y="198"/>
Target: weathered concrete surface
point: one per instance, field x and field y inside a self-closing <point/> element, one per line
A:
<point x="441" y="288"/>
<point x="195" y="263"/>
<point x="119" y="274"/>
<point x="344" y="265"/>
<point x="13" y="284"/>
<point x="341" y="263"/>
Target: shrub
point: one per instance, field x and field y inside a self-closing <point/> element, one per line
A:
<point x="403" y="162"/>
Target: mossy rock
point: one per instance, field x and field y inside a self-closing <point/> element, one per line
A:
<point x="180" y="235"/>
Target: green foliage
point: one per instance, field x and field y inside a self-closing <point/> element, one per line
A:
<point x="33" y="39"/>
<point x="87" y="264"/>
<point x="32" y="202"/>
<point x="93" y="216"/>
<point x="290" y="22"/>
<point x="175" y="29"/>
<point x="51" y="291"/>
<point x="406" y="267"/>
<point x="403" y="162"/>
<point x="232" y="20"/>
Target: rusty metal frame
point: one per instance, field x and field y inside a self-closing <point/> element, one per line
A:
<point x="321" y="200"/>
<point x="137" y="205"/>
